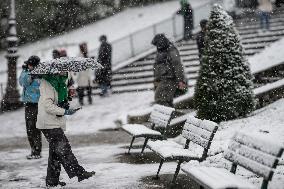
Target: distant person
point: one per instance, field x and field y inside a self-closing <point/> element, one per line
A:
<point x="200" y="38"/>
<point x="30" y="97"/>
<point x="265" y="7"/>
<point x="62" y="53"/>
<point x="84" y="79"/>
<point x="104" y="58"/>
<point x="53" y="106"/>
<point x="70" y="84"/>
<point x="168" y="71"/>
<point x="55" y="54"/>
<point x="187" y="12"/>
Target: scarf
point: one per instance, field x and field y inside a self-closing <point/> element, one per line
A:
<point x="58" y="82"/>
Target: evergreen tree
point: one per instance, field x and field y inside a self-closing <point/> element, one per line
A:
<point x="224" y="87"/>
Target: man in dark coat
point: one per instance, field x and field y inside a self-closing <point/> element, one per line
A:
<point x="200" y="39"/>
<point x="187" y="12"/>
<point x="104" y="58"/>
<point x="168" y="71"/>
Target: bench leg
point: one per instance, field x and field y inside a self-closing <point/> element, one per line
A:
<point x="177" y="171"/>
<point x="159" y="169"/>
<point x="131" y="144"/>
<point x="144" y="145"/>
<point x="264" y="184"/>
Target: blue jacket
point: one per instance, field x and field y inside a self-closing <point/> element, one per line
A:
<point x="30" y="87"/>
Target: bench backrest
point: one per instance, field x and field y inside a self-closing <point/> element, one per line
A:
<point x="200" y="132"/>
<point x="254" y="153"/>
<point x="161" y="116"/>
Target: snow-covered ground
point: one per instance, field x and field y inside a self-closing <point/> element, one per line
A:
<point x="101" y="115"/>
<point x="17" y="172"/>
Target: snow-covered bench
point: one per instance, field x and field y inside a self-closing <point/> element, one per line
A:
<point x="200" y="132"/>
<point x="251" y="152"/>
<point x="160" y="119"/>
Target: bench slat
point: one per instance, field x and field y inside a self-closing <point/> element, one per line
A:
<point x="161" y="115"/>
<point x="164" y="109"/>
<point x="195" y="138"/>
<point x="208" y="125"/>
<point x="197" y="130"/>
<point x="207" y="177"/>
<point x="249" y="164"/>
<point x="258" y="143"/>
<point x="253" y="154"/>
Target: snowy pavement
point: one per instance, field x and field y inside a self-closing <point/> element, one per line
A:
<point x="105" y="154"/>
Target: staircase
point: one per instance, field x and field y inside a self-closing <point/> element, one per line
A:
<point x="138" y="76"/>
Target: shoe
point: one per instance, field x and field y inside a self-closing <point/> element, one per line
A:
<point x="54" y="185"/>
<point x="86" y="175"/>
<point x="32" y="156"/>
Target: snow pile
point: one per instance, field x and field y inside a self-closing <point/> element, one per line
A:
<point x="271" y="56"/>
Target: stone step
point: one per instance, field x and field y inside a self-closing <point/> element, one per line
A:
<point x="192" y="71"/>
<point x="139" y="75"/>
<point x="150" y="68"/>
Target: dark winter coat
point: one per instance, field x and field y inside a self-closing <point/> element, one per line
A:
<point x="187" y="12"/>
<point x="168" y="65"/>
<point x="168" y="70"/>
<point x="200" y="40"/>
<point x="104" y="58"/>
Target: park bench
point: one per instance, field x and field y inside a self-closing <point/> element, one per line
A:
<point x="197" y="131"/>
<point x="250" y="152"/>
<point x="160" y="118"/>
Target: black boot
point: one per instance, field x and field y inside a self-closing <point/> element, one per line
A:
<point x="86" y="175"/>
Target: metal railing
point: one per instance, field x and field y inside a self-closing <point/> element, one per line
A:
<point x="140" y="41"/>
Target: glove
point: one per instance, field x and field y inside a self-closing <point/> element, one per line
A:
<point x="70" y="112"/>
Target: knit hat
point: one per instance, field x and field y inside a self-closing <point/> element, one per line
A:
<point x="33" y="61"/>
<point x="161" y="41"/>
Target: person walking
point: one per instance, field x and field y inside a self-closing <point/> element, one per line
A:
<point x="168" y="71"/>
<point x="200" y="38"/>
<point x="30" y="97"/>
<point x="265" y="7"/>
<point x="84" y="79"/>
<point x="187" y="12"/>
<point x="52" y="108"/>
<point x="104" y="58"/>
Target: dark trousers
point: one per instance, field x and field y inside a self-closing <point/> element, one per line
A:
<point x="60" y="153"/>
<point x="34" y="134"/>
<point x="188" y="26"/>
<point x="81" y="94"/>
<point x="264" y="20"/>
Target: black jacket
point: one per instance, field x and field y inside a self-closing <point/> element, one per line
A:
<point x="200" y="40"/>
<point x="104" y="57"/>
<point x="103" y="76"/>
